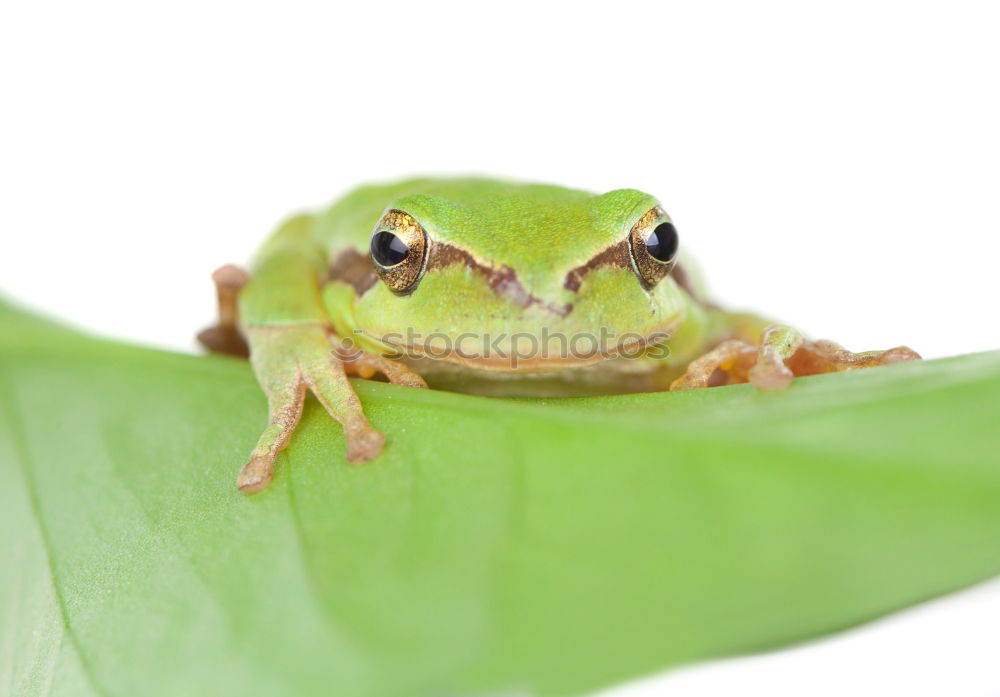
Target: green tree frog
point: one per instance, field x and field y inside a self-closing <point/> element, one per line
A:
<point x="491" y="287"/>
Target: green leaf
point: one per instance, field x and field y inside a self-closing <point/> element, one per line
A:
<point x="544" y="546"/>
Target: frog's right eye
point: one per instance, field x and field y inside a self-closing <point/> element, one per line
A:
<point x="399" y="251"/>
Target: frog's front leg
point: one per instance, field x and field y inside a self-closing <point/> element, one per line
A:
<point x="782" y="354"/>
<point x="293" y="351"/>
<point x="290" y="360"/>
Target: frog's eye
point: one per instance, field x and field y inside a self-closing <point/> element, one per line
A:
<point x="653" y="246"/>
<point x="399" y="251"/>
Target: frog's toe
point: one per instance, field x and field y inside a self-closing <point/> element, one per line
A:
<point x="256" y="474"/>
<point x="363" y="444"/>
<point x="828" y="357"/>
<point x="367" y="365"/>
<point x="778" y="343"/>
<point x="400" y="374"/>
<point x="775" y="376"/>
<point x="285" y="398"/>
<point x="326" y="377"/>
<point x="724" y="364"/>
<point x="900" y="354"/>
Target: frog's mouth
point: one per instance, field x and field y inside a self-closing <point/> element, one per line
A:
<point x="524" y="353"/>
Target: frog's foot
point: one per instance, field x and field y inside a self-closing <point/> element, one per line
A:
<point x="288" y="361"/>
<point x="782" y="355"/>
<point x="225" y="336"/>
<point x="815" y="357"/>
<point x="366" y="365"/>
<point x="723" y="365"/>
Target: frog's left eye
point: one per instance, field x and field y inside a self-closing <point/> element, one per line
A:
<point x="653" y="244"/>
<point x="399" y="251"/>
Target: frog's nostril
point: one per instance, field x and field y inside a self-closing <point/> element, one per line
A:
<point x="573" y="280"/>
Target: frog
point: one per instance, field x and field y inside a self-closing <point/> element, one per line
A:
<point x="491" y="287"/>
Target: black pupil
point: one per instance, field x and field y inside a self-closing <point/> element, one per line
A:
<point x="387" y="249"/>
<point x="662" y="242"/>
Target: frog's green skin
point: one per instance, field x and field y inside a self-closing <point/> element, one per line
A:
<point x="540" y="233"/>
<point x="502" y="259"/>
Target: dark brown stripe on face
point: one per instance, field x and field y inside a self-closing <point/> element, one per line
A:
<point x="616" y="255"/>
<point x="501" y="280"/>
<point x="354" y="268"/>
<point x="443" y="255"/>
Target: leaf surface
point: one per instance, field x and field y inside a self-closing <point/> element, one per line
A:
<point x="498" y="546"/>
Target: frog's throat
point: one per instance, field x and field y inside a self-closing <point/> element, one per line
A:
<point x="507" y="362"/>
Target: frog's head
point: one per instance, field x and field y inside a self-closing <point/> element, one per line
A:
<point x="521" y="277"/>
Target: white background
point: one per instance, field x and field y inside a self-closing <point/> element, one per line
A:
<point x="835" y="165"/>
